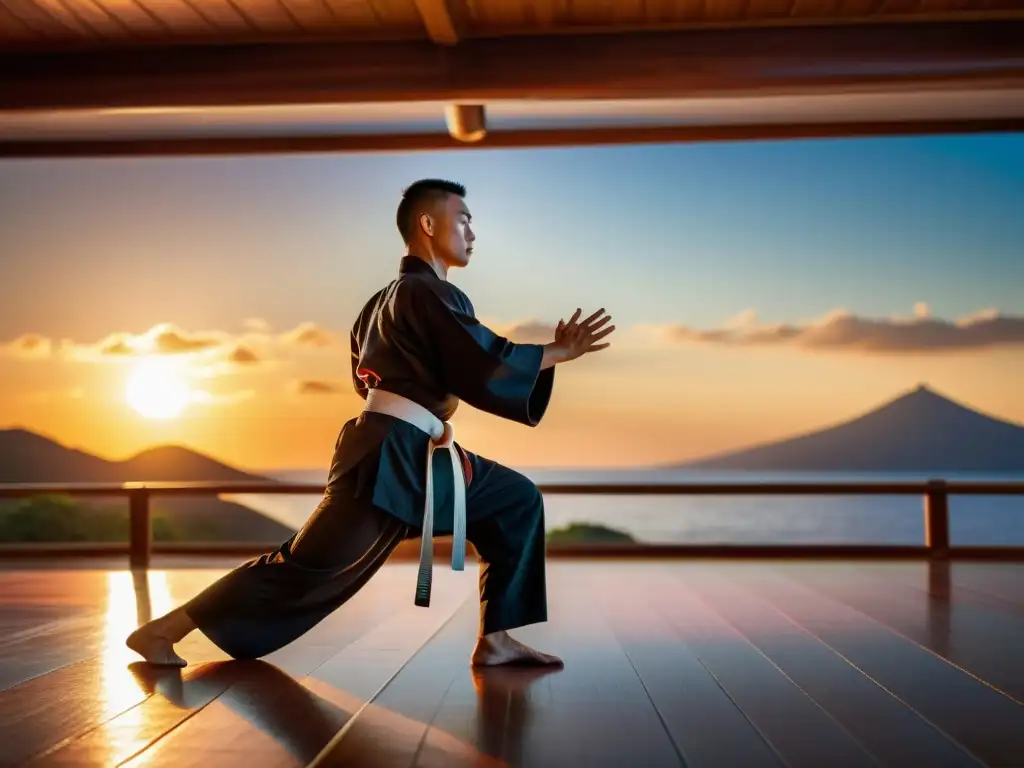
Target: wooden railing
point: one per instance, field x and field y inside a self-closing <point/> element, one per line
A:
<point x="935" y="494"/>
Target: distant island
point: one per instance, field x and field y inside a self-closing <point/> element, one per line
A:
<point x="920" y="431"/>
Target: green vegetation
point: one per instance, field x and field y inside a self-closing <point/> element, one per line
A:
<point x="59" y="518"/>
<point x="588" y="533"/>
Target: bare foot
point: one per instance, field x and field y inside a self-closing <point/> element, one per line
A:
<point x="500" y="648"/>
<point x="154" y="647"/>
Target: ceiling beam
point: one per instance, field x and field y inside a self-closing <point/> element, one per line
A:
<point x="649" y="65"/>
<point x="444" y="20"/>
<point x="509" y="139"/>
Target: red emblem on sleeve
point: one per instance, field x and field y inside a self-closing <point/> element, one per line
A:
<point x="368" y="377"/>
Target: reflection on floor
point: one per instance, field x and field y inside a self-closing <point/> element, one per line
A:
<point x="668" y="663"/>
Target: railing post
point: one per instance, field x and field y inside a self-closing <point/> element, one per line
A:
<point x="138" y="528"/>
<point x="936" y="519"/>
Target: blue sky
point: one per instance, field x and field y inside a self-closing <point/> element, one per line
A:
<point x="691" y="234"/>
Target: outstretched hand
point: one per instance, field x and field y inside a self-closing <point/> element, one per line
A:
<point x="576" y="338"/>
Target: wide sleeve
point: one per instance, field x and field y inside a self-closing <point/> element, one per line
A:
<point x="478" y="366"/>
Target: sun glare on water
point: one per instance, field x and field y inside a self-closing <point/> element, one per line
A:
<point x="157" y="391"/>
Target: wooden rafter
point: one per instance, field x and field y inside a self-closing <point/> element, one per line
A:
<point x="444" y="20"/>
<point x="660" y="64"/>
<point x="507" y="139"/>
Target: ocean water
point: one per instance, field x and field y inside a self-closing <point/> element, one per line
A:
<point x="974" y="520"/>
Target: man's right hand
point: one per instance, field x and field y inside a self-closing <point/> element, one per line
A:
<point x="576" y="338"/>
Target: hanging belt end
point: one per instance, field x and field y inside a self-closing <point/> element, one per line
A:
<point x="424" y="580"/>
<point x="423" y="594"/>
<point x="458" y="558"/>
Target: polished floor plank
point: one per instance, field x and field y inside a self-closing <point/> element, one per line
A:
<point x="979" y="718"/>
<point x="78" y="698"/>
<point x="43" y="711"/>
<point x="48" y="624"/>
<point x="982" y="639"/>
<point x="144" y="717"/>
<point x="947" y="581"/>
<point x="695" y="708"/>
<point x="699" y="663"/>
<point x="489" y="720"/>
<point x="47" y="647"/>
<point x="355" y="675"/>
<point x="1009" y="575"/>
<point x="893" y="732"/>
<point x="388" y="732"/>
<point x="796" y="725"/>
<point x="173" y="698"/>
<point x="594" y="712"/>
<point x="24" y="622"/>
<point x="578" y="630"/>
<point x="1001" y="582"/>
<point x="92" y="606"/>
<point x="231" y="695"/>
<point x="601" y="735"/>
<point x="944" y="582"/>
<point x="91" y="683"/>
<point x="284" y="713"/>
<point x="260" y="716"/>
<point x="53" y="586"/>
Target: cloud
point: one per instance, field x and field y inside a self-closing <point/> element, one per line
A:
<point x="841" y="330"/>
<point x="168" y="340"/>
<point x="256" y="344"/>
<point x="309" y="335"/>
<point x="164" y="339"/>
<point x="529" y="331"/>
<point x="116" y="345"/>
<point x="243" y="355"/>
<point x="321" y="387"/>
<point x="30" y="345"/>
<point x="223" y="350"/>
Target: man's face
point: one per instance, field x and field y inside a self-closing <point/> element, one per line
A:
<point x="453" y="236"/>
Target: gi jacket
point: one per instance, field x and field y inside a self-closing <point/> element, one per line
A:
<point x="419" y="338"/>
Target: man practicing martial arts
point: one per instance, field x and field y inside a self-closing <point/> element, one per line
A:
<point x="417" y="349"/>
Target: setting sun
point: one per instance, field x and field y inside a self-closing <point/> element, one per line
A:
<point x="157" y="391"/>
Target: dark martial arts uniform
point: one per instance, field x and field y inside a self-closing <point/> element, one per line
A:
<point x="417" y="338"/>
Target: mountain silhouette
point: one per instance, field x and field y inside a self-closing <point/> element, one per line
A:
<point x="27" y="457"/>
<point x="920" y="431"/>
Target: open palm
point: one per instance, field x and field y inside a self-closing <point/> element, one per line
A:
<point x="577" y="338"/>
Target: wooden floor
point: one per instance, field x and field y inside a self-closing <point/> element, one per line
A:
<point x="667" y="663"/>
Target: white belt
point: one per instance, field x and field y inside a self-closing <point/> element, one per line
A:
<point x="441" y="436"/>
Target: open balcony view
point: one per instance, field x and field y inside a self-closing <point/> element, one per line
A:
<point x="511" y="383"/>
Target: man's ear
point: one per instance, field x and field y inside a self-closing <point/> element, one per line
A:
<point x="426" y="224"/>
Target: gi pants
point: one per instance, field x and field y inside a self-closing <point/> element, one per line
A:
<point x="266" y="603"/>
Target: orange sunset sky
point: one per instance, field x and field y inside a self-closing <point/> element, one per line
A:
<point x="760" y="290"/>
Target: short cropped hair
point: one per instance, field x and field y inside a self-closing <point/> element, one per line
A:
<point x="419" y="193"/>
